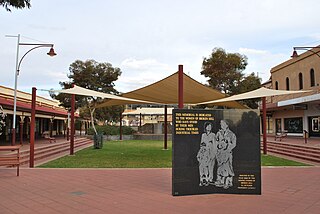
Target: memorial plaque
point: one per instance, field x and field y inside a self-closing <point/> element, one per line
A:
<point x="216" y="151"/>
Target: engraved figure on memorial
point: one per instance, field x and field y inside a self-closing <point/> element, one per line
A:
<point x="226" y="142"/>
<point x="206" y="155"/>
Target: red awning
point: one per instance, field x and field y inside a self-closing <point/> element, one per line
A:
<point x="27" y="107"/>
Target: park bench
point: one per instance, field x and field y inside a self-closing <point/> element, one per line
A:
<point x="281" y="135"/>
<point x="12" y="158"/>
<point x="46" y="135"/>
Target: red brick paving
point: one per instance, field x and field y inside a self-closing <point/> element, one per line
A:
<point x="284" y="190"/>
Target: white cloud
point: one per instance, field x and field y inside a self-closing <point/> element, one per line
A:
<point x="141" y="72"/>
<point x="143" y="65"/>
<point x="261" y="61"/>
<point x="252" y="51"/>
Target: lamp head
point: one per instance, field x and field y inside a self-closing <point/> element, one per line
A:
<point x="51" y="52"/>
<point x="294" y="54"/>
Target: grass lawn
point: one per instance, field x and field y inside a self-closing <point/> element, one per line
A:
<point x="135" y="154"/>
<point x="269" y="160"/>
<point x="119" y="154"/>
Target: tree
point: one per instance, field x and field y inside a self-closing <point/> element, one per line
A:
<point x="225" y="74"/>
<point x="91" y="75"/>
<point x="19" y="4"/>
<point x="224" y="70"/>
<point x="250" y="83"/>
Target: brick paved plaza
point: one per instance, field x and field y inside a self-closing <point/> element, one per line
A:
<point x="284" y="190"/>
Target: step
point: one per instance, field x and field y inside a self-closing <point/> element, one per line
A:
<point x="302" y="152"/>
<point x="51" y="152"/>
<point x="311" y="152"/>
<point x="295" y="156"/>
<point x="53" y="145"/>
<point x="62" y="154"/>
<point x="308" y="150"/>
<point x="296" y="152"/>
<point x="49" y="148"/>
<point x="298" y="147"/>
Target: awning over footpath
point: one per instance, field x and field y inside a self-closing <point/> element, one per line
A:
<point x="258" y="93"/>
<point x="165" y="91"/>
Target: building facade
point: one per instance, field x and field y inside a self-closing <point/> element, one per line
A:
<point x="50" y="117"/>
<point x="296" y="114"/>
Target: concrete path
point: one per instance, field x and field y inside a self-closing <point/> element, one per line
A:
<point x="284" y="190"/>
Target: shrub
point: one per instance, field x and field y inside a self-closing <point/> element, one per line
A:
<point x="111" y="130"/>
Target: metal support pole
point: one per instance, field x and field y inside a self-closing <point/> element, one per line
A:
<point x="64" y="129"/>
<point x="165" y="127"/>
<point x="68" y="127"/>
<point x="32" y="127"/>
<point x="16" y="73"/>
<point x="73" y="100"/>
<point x="180" y="85"/>
<point x="121" y="126"/>
<point x="21" y="131"/>
<point x="264" y="124"/>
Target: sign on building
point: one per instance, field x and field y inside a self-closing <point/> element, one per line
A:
<point x="216" y="151"/>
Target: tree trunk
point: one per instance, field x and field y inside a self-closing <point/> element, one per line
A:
<point x="92" y="122"/>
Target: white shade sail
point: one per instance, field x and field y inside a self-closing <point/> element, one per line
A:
<point x="258" y="93"/>
<point x="77" y="90"/>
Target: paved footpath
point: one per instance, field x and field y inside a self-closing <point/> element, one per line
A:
<point x="284" y="190"/>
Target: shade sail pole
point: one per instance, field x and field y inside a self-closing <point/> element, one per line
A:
<point x="264" y="124"/>
<point x="73" y="100"/>
<point x="32" y="127"/>
<point x="180" y="85"/>
<point x="120" y="126"/>
<point x="165" y="146"/>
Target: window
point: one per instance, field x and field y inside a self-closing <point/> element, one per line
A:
<point x="293" y="125"/>
<point x="269" y="125"/>
<point x="300" y="81"/>
<point x="287" y="84"/>
<point x="312" y="82"/>
<point x="277" y="85"/>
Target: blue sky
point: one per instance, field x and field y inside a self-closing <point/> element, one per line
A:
<point x="149" y="39"/>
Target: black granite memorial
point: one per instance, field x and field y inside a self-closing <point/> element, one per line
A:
<point x="216" y="151"/>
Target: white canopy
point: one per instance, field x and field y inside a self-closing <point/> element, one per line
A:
<point x="77" y="90"/>
<point x="258" y="93"/>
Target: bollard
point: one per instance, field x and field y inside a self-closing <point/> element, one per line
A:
<point x="305" y="134"/>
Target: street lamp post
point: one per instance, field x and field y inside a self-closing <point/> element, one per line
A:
<point x="18" y="63"/>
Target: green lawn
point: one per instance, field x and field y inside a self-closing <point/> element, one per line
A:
<point x="118" y="154"/>
<point x="135" y="154"/>
<point x="268" y="160"/>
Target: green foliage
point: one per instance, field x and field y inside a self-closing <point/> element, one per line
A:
<point x="19" y="4"/>
<point x="224" y="71"/>
<point x="94" y="76"/>
<point x="112" y="130"/>
<point x="110" y="113"/>
<point x="249" y="83"/>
